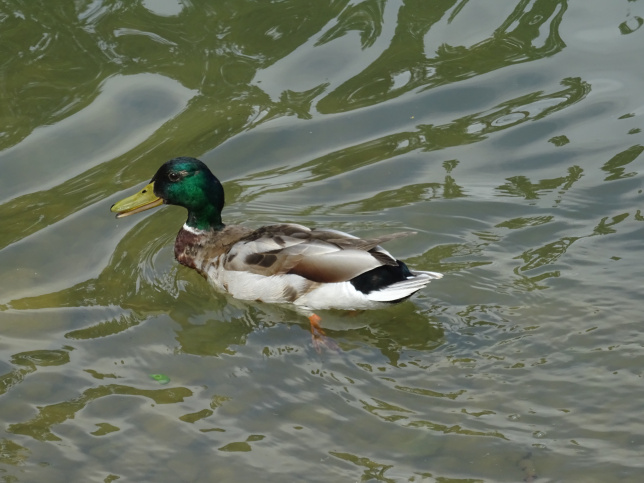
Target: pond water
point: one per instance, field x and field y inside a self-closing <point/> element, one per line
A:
<point x="508" y="135"/>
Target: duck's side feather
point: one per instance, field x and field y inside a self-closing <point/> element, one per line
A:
<point x="292" y="263"/>
<point x="321" y="256"/>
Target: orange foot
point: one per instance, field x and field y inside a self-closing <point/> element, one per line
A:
<point x="318" y="337"/>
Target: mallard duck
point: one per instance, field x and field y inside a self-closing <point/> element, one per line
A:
<point x="313" y="269"/>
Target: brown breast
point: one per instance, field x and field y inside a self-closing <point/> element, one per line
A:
<point x="196" y="250"/>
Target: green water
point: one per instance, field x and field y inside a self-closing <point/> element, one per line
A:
<point x="507" y="134"/>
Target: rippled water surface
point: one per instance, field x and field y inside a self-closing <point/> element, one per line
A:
<point x="508" y="134"/>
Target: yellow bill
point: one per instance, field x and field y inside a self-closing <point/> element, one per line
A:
<point x="138" y="202"/>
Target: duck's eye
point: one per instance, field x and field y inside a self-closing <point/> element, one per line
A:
<point x="174" y="176"/>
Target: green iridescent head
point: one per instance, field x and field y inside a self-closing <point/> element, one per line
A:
<point x="184" y="182"/>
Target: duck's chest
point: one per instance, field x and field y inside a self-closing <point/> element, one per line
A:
<point x="188" y="248"/>
<point x="200" y="249"/>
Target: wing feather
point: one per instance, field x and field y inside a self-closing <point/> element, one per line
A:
<point x="325" y="256"/>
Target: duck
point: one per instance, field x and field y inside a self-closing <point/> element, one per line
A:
<point x="311" y="268"/>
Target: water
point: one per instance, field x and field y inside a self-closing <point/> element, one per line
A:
<point x="508" y="135"/>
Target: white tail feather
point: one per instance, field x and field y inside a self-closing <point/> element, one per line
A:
<point x="405" y="288"/>
<point x="431" y="275"/>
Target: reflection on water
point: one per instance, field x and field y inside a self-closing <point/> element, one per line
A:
<point x="517" y="39"/>
<point x="40" y="427"/>
<point x="505" y="135"/>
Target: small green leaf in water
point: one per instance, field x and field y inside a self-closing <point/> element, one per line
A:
<point x="160" y="378"/>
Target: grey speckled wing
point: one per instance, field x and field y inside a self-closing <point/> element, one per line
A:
<point x="324" y="256"/>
